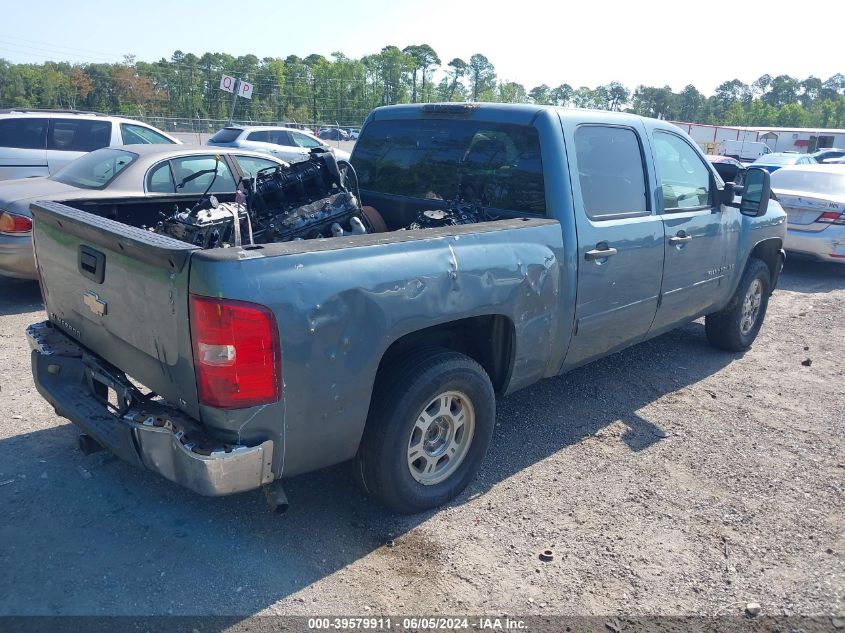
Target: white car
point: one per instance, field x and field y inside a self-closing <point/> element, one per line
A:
<point x="282" y="142"/>
<point x="40" y="142"/>
<point x="813" y="197"/>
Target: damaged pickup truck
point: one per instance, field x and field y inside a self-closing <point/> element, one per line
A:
<point x="373" y="311"/>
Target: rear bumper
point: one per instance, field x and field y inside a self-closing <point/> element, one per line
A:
<point x="827" y="245"/>
<point x="16" y="257"/>
<point x="146" y="433"/>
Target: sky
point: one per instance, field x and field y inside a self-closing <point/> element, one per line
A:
<point x="582" y="43"/>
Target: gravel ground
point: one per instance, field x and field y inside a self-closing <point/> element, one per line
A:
<point x="668" y="479"/>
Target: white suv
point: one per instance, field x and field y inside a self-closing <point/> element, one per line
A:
<point x="40" y="142"/>
<point x="283" y="142"/>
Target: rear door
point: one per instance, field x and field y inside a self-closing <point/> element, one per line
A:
<point x="697" y="231"/>
<point x="23" y="147"/>
<point x="68" y="139"/>
<point x="620" y="240"/>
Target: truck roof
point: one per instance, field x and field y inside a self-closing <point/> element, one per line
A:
<point x="516" y="113"/>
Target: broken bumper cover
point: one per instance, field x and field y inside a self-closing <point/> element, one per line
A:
<point x="146" y="433"/>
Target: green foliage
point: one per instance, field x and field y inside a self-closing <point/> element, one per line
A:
<point x="342" y="90"/>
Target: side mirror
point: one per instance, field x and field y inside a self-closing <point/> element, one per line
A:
<point x="756" y="192"/>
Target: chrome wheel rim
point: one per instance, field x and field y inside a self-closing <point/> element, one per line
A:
<point x="441" y="437"/>
<point x="751" y="306"/>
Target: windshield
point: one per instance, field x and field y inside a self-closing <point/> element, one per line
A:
<point x="816" y="182"/>
<point x="493" y="164"/>
<point x="775" y="159"/>
<point x="95" y="170"/>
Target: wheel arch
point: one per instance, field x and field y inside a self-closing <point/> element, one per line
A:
<point x="770" y="251"/>
<point x="490" y="340"/>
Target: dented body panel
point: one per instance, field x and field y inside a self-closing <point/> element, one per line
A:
<point x="340" y="309"/>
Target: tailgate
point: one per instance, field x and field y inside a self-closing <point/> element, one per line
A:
<point x="121" y="292"/>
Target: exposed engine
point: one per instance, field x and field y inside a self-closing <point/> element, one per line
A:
<point x="304" y="200"/>
<point x="457" y="213"/>
<point x="211" y="226"/>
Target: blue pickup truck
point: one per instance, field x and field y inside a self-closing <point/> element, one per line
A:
<point x="371" y="312"/>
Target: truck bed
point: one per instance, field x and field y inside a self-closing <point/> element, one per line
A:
<point x="339" y="303"/>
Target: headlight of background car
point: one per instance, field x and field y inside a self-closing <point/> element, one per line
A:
<point x="13" y="224"/>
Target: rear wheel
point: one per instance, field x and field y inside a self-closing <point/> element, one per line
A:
<point x="429" y="427"/>
<point x="735" y="327"/>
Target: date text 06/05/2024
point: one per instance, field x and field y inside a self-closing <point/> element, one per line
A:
<point x="415" y="623"/>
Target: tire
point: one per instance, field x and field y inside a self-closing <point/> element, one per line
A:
<point x="437" y="406"/>
<point x="735" y="327"/>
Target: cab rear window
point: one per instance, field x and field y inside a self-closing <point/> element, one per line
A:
<point x="496" y="165"/>
<point x="95" y="170"/>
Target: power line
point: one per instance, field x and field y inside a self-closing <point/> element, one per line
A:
<point x="56" y="46"/>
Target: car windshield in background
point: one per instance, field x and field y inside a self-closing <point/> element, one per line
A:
<point x="226" y="135"/>
<point x="773" y="159"/>
<point x="495" y="165"/>
<point x="816" y="182"/>
<point x="95" y="170"/>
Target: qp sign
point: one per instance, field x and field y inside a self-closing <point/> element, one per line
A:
<point x="245" y="90"/>
<point x="227" y="83"/>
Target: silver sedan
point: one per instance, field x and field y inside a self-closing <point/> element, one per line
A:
<point x="813" y="197"/>
<point x="133" y="170"/>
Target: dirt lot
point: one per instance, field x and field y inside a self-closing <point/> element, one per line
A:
<point x="668" y="479"/>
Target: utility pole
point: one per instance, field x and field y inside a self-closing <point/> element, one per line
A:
<point x="234" y="99"/>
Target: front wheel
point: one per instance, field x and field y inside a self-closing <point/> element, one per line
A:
<point x="735" y="327"/>
<point x="429" y="427"/>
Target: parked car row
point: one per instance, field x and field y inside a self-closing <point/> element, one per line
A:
<point x="775" y="160"/>
<point x="812" y="194"/>
<point x="182" y="171"/>
<point x="339" y="133"/>
<point x="44" y="148"/>
<point x="39" y="142"/>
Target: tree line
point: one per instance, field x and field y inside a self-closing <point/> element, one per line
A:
<point x="341" y="90"/>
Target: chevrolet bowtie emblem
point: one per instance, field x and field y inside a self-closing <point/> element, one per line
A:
<point x="94" y="303"/>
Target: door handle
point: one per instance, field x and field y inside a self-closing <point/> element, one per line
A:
<point x="601" y="251"/>
<point x="680" y="239"/>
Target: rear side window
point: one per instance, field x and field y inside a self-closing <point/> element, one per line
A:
<point x="611" y="172"/>
<point x="140" y="135"/>
<point x="226" y="135"/>
<point x="78" y="135"/>
<point x="262" y="136"/>
<point x="24" y="133"/>
<point x="193" y="174"/>
<point x="493" y="164"/>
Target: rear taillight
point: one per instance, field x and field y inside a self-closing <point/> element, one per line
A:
<point x="832" y="217"/>
<point x="13" y="224"/>
<point x="236" y="353"/>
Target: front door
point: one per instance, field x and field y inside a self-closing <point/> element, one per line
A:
<point x="620" y="241"/>
<point x="694" y="226"/>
